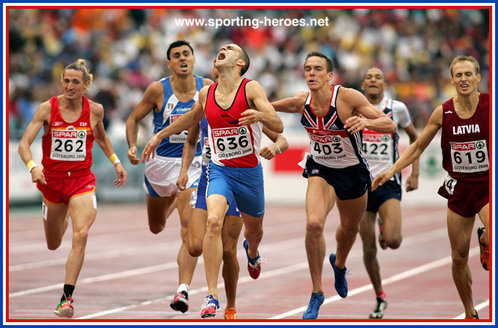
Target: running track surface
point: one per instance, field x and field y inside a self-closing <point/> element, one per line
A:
<point x="130" y="274"/>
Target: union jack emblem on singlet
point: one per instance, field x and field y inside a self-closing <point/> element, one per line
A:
<point x="330" y="144"/>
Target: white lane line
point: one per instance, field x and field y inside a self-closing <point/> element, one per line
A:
<point x="387" y="281"/>
<point x="150" y="269"/>
<point x="243" y="280"/>
<point x="265" y="248"/>
<point x="268" y="274"/>
<point x="478" y="307"/>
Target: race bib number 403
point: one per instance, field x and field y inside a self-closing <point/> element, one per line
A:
<point x="230" y="143"/>
<point x="68" y="145"/>
<point x="470" y="156"/>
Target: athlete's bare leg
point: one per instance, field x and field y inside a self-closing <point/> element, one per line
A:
<point x="367" y="233"/>
<point x="390" y="213"/>
<point x="460" y="232"/>
<point x="320" y="199"/>
<point x="158" y="210"/>
<point x="230" y="272"/>
<point x="186" y="262"/>
<point x="82" y="210"/>
<point x="350" y="212"/>
<point x="55" y="221"/>
<point x="212" y="246"/>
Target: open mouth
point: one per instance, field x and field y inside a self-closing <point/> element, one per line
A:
<point x="221" y="56"/>
<point x="183" y="66"/>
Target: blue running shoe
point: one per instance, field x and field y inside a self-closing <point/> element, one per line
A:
<point x="316" y="301"/>
<point x="253" y="265"/>
<point x="209" y="307"/>
<point x="341" y="285"/>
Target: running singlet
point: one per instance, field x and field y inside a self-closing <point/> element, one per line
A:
<point x="67" y="147"/>
<point x="233" y="145"/>
<point x="331" y="145"/>
<point x="171" y="110"/>
<point x="381" y="149"/>
<point x="465" y="142"/>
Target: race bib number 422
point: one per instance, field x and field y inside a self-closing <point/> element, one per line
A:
<point x="469" y="157"/>
<point x="68" y="145"/>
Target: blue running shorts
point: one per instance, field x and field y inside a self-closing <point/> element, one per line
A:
<point x="201" y="194"/>
<point x="245" y="185"/>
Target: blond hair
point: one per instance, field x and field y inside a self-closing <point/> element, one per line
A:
<point x="459" y="59"/>
<point x="79" y="65"/>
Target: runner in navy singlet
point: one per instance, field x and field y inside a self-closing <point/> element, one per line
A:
<point x="464" y="120"/>
<point x="337" y="172"/>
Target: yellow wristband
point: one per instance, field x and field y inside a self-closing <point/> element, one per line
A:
<point x="31" y="165"/>
<point x="114" y="159"/>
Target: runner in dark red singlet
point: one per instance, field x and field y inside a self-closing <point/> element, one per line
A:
<point x="464" y="120"/>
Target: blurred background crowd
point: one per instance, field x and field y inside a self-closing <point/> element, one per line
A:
<point x="126" y="50"/>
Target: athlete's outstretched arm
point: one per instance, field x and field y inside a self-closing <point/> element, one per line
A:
<point x="263" y="112"/>
<point x="184" y="122"/>
<point x="364" y="114"/>
<point x="188" y="154"/>
<point x="414" y="150"/>
<point x="292" y="104"/>
<point x="279" y="145"/>
<point x="153" y="94"/>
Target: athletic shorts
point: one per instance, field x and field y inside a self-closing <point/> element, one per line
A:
<point x="349" y="183"/>
<point x="59" y="190"/>
<point x="245" y="185"/>
<point x="389" y="190"/>
<point x="161" y="174"/>
<point x="464" y="198"/>
<point x="199" y="196"/>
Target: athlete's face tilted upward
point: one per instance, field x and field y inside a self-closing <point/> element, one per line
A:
<point x="181" y="60"/>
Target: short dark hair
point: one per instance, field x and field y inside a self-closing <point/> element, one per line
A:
<point x="176" y="44"/>
<point x="330" y="63"/>
<point x="245" y="58"/>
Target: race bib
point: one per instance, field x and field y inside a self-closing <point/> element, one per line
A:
<point x="68" y="145"/>
<point x="230" y="143"/>
<point x="328" y="144"/>
<point x="206" y="152"/>
<point x="180" y="137"/>
<point x="469" y="157"/>
<point x="377" y="147"/>
<point x="449" y="184"/>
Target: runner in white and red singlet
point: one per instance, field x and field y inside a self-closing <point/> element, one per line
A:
<point x="464" y="120"/>
<point x="381" y="151"/>
<point x="71" y="123"/>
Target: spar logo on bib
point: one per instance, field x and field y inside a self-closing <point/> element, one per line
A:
<point x="242" y="130"/>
